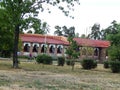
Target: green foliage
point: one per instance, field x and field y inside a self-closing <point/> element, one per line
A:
<point x="5" y="53"/>
<point x="70" y="62"/>
<point x="113" y="34"/>
<point x="44" y="58"/>
<point x="72" y="50"/>
<point x="23" y="14"/>
<point x="61" y="61"/>
<point x="88" y="64"/>
<point x="115" y="66"/>
<point x="114" y="38"/>
<point x="23" y="57"/>
<point x="95" y="32"/>
<point x="64" y="31"/>
<point x="6" y="41"/>
<point x="106" y="64"/>
<point x="114" y="52"/>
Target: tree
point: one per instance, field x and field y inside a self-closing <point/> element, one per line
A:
<point x="72" y="50"/>
<point x="58" y="31"/>
<point x="83" y="36"/>
<point x="95" y="32"/>
<point x="64" y="31"/>
<point x="22" y="14"/>
<point x="113" y="35"/>
<point x="103" y="34"/>
<point x="112" y="29"/>
<point x="6" y="42"/>
<point x="77" y="35"/>
<point x="6" y="36"/>
<point x="68" y="32"/>
<point x="41" y="28"/>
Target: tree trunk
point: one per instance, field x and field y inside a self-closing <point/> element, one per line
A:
<point x="15" y="50"/>
<point x="73" y="64"/>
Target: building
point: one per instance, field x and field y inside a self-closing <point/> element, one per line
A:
<point x="56" y="46"/>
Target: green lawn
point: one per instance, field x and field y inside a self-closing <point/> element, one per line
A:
<point x="32" y="76"/>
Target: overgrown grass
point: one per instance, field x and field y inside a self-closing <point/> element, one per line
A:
<point x="52" y="77"/>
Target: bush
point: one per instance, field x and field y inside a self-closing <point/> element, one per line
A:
<point x="61" y="61"/>
<point x="94" y="64"/>
<point x="115" y="66"/>
<point x="45" y="59"/>
<point x="106" y="64"/>
<point x="23" y="57"/>
<point x="5" y="53"/>
<point x="69" y="62"/>
<point x="88" y="64"/>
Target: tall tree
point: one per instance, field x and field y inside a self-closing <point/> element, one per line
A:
<point x="112" y="33"/>
<point x="41" y="28"/>
<point x="114" y="50"/>
<point x="21" y="14"/>
<point x="68" y="32"/>
<point x="58" y="31"/>
<point x="112" y="29"/>
<point x="77" y="35"/>
<point x="83" y="36"/>
<point x="64" y="31"/>
<point x="6" y="35"/>
<point x="95" y="32"/>
<point x="72" y="51"/>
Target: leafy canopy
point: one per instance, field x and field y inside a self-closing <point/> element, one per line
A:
<point x="23" y="14"/>
<point x="113" y="35"/>
<point x="72" y="49"/>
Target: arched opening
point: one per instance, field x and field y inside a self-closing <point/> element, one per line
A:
<point x="84" y="51"/>
<point x="52" y="49"/>
<point x="59" y="49"/>
<point x="43" y="48"/>
<point x="26" y="48"/>
<point x="96" y="51"/>
<point x="35" y="48"/>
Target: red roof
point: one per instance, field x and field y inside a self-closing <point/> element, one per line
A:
<point x="92" y="43"/>
<point x="38" y="38"/>
<point x="60" y="40"/>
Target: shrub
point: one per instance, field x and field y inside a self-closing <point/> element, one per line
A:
<point x="106" y="64"/>
<point x="94" y="64"/>
<point x="45" y="59"/>
<point x="23" y="57"/>
<point x="40" y="58"/>
<point x="69" y="62"/>
<point x="88" y="64"/>
<point x="61" y="61"/>
<point x="115" y="66"/>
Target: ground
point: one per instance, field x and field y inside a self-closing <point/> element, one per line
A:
<point x="32" y="76"/>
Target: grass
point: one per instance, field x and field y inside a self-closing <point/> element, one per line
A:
<point x="34" y="76"/>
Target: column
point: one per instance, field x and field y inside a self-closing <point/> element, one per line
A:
<point x="22" y="51"/>
<point x="93" y="53"/>
<point x="81" y="52"/>
<point x="39" y="49"/>
<point x="55" y="50"/>
<point x="48" y="49"/>
<point x="31" y="47"/>
<point x="86" y="50"/>
<point x="102" y="55"/>
<point x="63" y="54"/>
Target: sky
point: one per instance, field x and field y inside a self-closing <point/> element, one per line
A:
<point x="86" y="14"/>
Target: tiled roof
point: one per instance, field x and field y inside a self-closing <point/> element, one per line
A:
<point x="38" y="38"/>
<point x="92" y="43"/>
